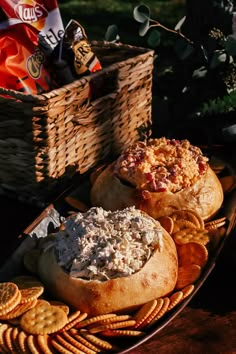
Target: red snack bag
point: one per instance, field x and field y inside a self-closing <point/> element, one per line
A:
<point x="22" y="63"/>
<point x="42" y="15"/>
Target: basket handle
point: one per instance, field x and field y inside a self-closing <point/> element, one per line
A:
<point x="103" y="91"/>
<point x="94" y="110"/>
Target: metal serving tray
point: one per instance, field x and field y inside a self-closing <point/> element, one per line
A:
<point x="51" y="218"/>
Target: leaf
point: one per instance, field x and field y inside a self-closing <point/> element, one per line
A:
<point x="183" y="49"/>
<point x="204" y="52"/>
<point x="154" y="39"/>
<point x="218" y="58"/>
<point x="200" y="72"/>
<point x="224" y="104"/>
<point x="230" y="45"/>
<point x="141" y="13"/>
<point x="229" y="132"/>
<point x="180" y="23"/>
<point x="144" y="27"/>
<point x="111" y="34"/>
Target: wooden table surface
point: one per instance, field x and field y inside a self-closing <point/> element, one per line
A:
<point x="206" y="325"/>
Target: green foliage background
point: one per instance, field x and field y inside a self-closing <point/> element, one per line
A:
<point x="96" y="15"/>
<point x="179" y="95"/>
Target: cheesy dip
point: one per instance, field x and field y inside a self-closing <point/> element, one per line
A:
<point x="161" y="165"/>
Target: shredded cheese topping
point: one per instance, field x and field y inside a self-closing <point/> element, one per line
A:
<point x="101" y="245"/>
<point x="161" y="165"/>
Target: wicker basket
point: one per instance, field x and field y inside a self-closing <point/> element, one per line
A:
<point x="48" y="137"/>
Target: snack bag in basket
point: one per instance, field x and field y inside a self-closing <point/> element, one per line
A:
<point x="76" y="50"/>
<point x="22" y="63"/>
<point x="73" y="57"/>
<point x="84" y="58"/>
<point x="44" y="15"/>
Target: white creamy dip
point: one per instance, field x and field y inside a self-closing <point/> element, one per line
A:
<point x="101" y="245"/>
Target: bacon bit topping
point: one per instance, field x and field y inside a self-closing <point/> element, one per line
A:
<point x="161" y="165"/>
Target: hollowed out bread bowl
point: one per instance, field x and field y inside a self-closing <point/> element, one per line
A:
<point x="156" y="278"/>
<point x="116" y="187"/>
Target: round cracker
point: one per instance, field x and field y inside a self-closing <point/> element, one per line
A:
<point x="70" y="339"/>
<point x="116" y="325"/>
<point x="44" y="343"/>
<point x="183" y="224"/>
<point x="175" y="299"/>
<point x="43" y="319"/>
<point x="14" y="336"/>
<point x="192" y="253"/>
<point x="191" y="235"/>
<point x="187" y="290"/>
<point x="189" y="215"/>
<point x="95" y="340"/>
<point x="60" y="348"/>
<point x="11" y="305"/>
<point x="149" y="319"/>
<point x="95" y="319"/>
<point x="3" y="346"/>
<point x="75" y="334"/>
<point x="31" y="293"/>
<point x="72" y="322"/>
<point x="215" y="224"/>
<point x="22" y="341"/>
<point x="161" y="313"/>
<point x="60" y="304"/>
<point x="7" y="335"/>
<point x="9" y="293"/>
<point x="33" y="344"/>
<point x="122" y="333"/>
<point x="144" y="312"/>
<point x="66" y="344"/>
<point x="167" y="223"/>
<point x="187" y="275"/>
<point x="114" y="319"/>
<point x="19" y="310"/>
<point x="43" y="302"/>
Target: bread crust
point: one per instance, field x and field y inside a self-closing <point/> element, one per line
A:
<point x="157" y="278"/>
<point x="205" y="196"/>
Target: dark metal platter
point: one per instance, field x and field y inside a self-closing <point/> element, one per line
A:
<point x="52" y="216"/>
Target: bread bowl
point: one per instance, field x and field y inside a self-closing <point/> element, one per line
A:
<point x="149" y="268"/>
<point x="159" y="177"/>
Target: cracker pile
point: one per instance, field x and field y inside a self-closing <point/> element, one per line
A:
<point x="30" y="322"/>
<point x="194" y="239"/>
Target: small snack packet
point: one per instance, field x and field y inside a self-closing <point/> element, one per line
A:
<point x="76" y="50"/>
<point x="84" y="58"/>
